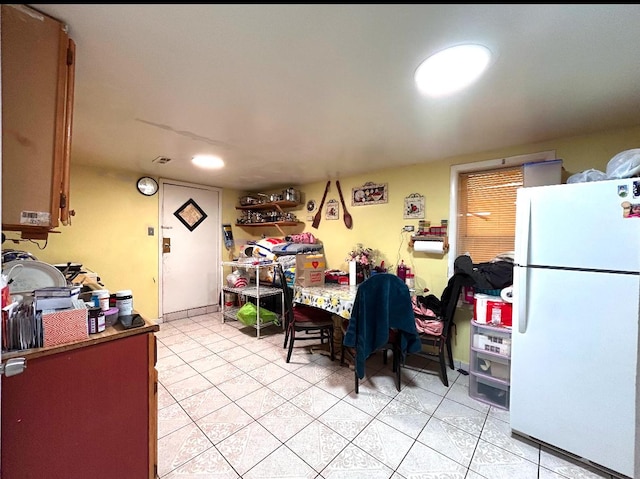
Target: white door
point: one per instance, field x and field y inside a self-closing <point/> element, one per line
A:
<point x="190" y="236"/>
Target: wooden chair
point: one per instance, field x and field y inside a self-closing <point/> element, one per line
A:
<point x="391" y="344"/>
<point x="381" y="319"/>
<point x="315" y="323"/>
<point x="438" y="343"/>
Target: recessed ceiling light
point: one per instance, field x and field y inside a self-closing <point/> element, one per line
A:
<point x="207" y="161"/>
<point x="452" y="69"/>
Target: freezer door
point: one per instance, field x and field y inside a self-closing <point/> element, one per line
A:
<point x="579" y="225"/>
<point x="574" y="363"/>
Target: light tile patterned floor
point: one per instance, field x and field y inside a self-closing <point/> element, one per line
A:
<point x="229" y="406"/>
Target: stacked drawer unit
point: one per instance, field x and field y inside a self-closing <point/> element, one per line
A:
<point x="490" y="364"/>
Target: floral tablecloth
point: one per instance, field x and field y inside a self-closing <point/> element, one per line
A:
<point x="337" y="298"/>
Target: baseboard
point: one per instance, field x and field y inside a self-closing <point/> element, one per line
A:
<point x="190" y="313"/>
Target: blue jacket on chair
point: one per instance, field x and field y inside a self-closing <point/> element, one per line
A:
<point x="382" y="302"/>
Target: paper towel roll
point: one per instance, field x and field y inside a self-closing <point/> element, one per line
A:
<point x="507" y="294"/>
<point x="436" y="247"/>
<point x="352" y="272"/>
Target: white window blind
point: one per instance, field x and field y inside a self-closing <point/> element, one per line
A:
<point x="486" y="213"/>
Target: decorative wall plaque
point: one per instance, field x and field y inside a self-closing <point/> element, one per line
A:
<point x="414" y="206"/>
<point x="369" y="194"/>
<point x="333" y="210"/>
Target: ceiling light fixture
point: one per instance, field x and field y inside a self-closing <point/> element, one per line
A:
<point x="452" y="69"/>
<point x="208" y="161"/>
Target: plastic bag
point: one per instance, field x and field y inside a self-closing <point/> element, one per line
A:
<point x="248" y="315"/>
<point x="587" y="175"/>
<point x="624" y="165"/>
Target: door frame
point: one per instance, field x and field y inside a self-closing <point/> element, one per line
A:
<point x="218" y="260"/>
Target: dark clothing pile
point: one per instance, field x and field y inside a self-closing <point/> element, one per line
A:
<point x="489" y="275"/>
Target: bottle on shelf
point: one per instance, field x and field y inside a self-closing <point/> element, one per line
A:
<point x="410" y="280"/>
<point x="402" y="270"/>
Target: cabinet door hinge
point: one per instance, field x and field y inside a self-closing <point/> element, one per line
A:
<point x="70" y="57"/>
<point x="155" y="387"/>
<point x="63" y="201"/>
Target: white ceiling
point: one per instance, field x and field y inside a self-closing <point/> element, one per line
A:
<point x="292" y="94"/>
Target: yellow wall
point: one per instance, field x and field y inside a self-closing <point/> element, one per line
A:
<point x="109" y="231"/>
<point x="379" y="226"/>
<point x="108" y="234"/>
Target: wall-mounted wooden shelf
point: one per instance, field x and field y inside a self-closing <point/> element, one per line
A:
<point x="270" y="223"/>
<point x="275" y="224"/>
<point x="270" y="206"/>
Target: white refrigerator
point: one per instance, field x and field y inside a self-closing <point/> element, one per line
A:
<point x="575" y="382"/>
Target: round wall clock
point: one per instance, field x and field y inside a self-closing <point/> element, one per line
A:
<point x="147" y="186"/>
<point x="311" y="205"/>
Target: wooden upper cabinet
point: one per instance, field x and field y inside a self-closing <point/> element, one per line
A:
<point x="38" y="60"/>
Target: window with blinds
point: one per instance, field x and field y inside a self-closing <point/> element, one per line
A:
<point x="487" y="212"/>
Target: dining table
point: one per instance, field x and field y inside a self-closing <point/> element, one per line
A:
<point x="333" y="297"/>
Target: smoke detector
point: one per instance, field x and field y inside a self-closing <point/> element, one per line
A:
<point x="162" y="160"/>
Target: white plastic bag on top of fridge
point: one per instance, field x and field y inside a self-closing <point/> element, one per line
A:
<point x="625" y="164"/>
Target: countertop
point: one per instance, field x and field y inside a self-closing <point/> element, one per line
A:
<point x="112" y="333"/>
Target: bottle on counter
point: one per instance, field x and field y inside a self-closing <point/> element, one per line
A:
<point x="96" y="322"/>
<point x="100" y="298"/>
<point x="124" y="302"/>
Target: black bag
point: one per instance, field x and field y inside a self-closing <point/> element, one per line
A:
<point x="499" y="274"/>
<point x="489" y="275"/>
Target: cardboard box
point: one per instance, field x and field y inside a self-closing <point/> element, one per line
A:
<point x="65" y="325"/>
<point x="310" y="269"/>
<point x="500" y="371"/>
<point x="499" y="312"/>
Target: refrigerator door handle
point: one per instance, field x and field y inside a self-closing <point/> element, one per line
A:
<point x="522" y="247"/>
<point x="521" y="274"/>
<point x="522" y="235"/>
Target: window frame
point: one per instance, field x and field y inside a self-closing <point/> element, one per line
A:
<point x="485" y="165"/>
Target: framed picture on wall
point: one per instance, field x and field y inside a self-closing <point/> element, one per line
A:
<point x="190" y="214"/>
<point x="333" y="210"/>
<point x="414" y="206"/>
<point x="369" y="194"/>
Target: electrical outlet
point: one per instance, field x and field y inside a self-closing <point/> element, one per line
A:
<point x="408" y="228"/>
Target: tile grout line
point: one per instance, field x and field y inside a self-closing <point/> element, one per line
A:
<point x="228" y="334"/>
